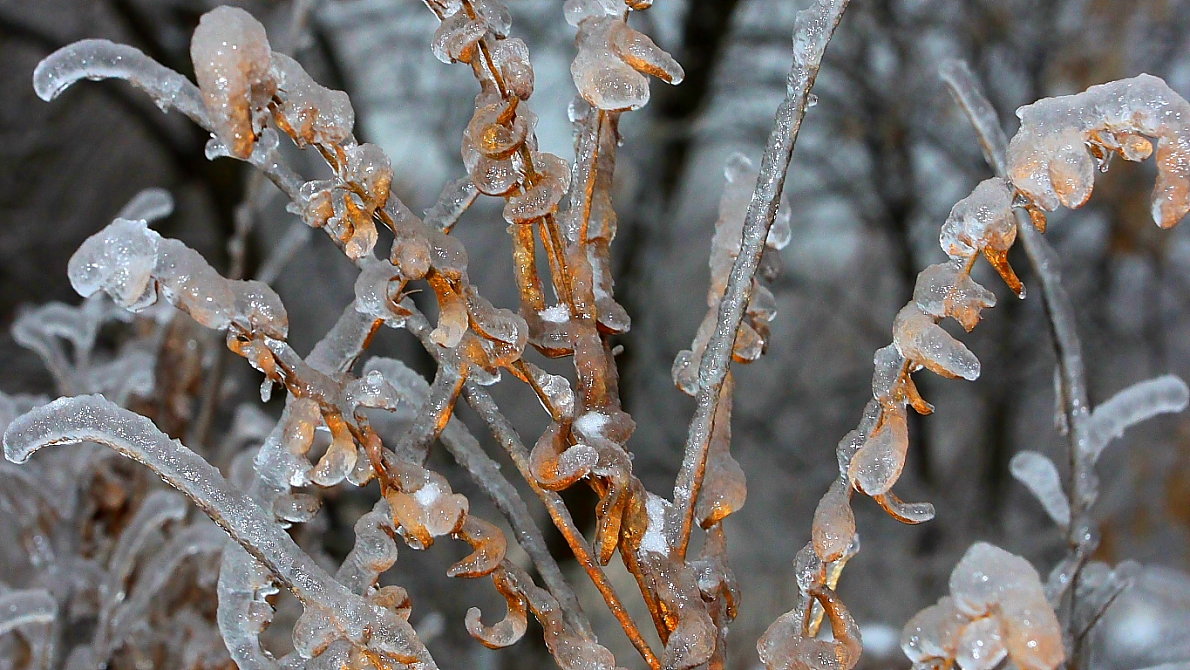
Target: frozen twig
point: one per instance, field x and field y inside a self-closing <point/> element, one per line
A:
<point x="812" y="31"/>
<point x="94" y="419"/>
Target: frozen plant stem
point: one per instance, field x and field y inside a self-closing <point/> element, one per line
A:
<point x="1060" y="312"/>
<point x="813" y="29"/>
<point x="504" y="433"/>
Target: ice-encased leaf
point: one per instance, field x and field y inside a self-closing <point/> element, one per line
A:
<point x="1050" y="161"/>
<point x="878" y="463"/>
<point x="26" y="606"/>
<point x="1139" y="402"/>
<point x="231" y="56"/>
<point x="102" y="59"/>
<point x="982" y="219"/>
<point x="1039" y="474"/>
<point x="118" y="260"/>
<point x="925" y="343"/>
<point x="316" y="114"/>
<point x="834" y="523"/>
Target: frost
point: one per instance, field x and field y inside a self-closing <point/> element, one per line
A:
<point x="1052" y="158"/>
<point x="654" y="539"/>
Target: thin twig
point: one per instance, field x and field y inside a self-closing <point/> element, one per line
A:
<point x="1059" y="309"/>
<point x="506" y="435"/>
<point x="813" y="30"/>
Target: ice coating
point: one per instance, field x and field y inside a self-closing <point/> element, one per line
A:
<point x="925" y="343"/>
<point x="1161" y="395"/>
<point x="878" y="463"/>
<point x="983" y="222"/>
<point x="91" y="418"/>
<point x="1052" y="157"/>
<point x="1040" y="476"/>
<point x="133" y="264"/>
<point x="611" y="58"/>
<point x="118" y="260"/>
<point x="314" y="113"/>
<point x="945" y="290"/>
<point x="834" y="523"/>
<point x="997" y="607"/>
<point x="23" y="607"/>
<point x="457" y="37"/>
<point x="511" y="57"/>
<point x="751" y="338"/>
<point x="231" y="56"/>
<point x="148" y="206"/>
<point x="102" y="59"/>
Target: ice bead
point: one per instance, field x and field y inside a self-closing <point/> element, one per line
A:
<point x="925" y="343"/>
<point x="118" y="260"/>
<point x="878" y="463"/>
<point x="1050" y="160"/>
<point x="231" y="56"/>
<point x="946" y="289"/>
<point x="315" y="114"/>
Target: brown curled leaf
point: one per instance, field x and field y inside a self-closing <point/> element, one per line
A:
<point x="515" y="623"/>
<point x="489" y="544"/>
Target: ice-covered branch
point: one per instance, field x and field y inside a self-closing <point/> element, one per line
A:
<point x="102" y="59"/>
<point x="812" y="31"/>
<point x="1137" y="403"/>
<point x="93" y="419"/>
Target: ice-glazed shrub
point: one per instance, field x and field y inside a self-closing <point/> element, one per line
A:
<point x="561" y="224"/>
